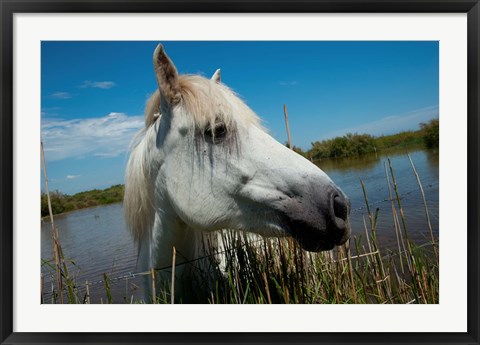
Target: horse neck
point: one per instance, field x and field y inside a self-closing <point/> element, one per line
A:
<point x="157" y="252"/>
<point x="169" y="233"/>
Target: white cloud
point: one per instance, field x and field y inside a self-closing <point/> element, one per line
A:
<point x="107" y="136"/>
<point x="61" y="95"/>
<point x="98" y="84"/>
<point x="72" y="177"/>
<point x="391" y="124"/>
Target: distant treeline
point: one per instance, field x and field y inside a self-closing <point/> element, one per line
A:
<point x="351" y="145"/>
<point x="65" y="203"/>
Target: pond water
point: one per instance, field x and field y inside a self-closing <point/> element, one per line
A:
<point x="96" y="240"/>
<point x="347" y="174"/>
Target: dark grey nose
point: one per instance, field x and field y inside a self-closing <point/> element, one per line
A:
<point x="339" y="214"/>
<point x="341" y="207"/>
<point x="320" y="224"/>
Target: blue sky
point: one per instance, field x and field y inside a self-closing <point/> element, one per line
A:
<point x="94" y="93"/>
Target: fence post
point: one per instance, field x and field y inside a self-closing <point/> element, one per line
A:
<point x="288" y="126"/>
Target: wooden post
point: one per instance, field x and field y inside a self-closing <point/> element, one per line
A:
<point x="54" y="237"/>
<point x="154" y="293"/>
<point x="288" y="126"/>
<point x="173" y="275"/>
<point x="41" y="288"/>
<point x="87" y="293"/>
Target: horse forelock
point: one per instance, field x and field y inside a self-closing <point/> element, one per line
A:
<point x="152" y="107"/>
<point x="207" y="102"/>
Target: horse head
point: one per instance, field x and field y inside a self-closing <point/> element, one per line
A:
<point x="213" y="166"/>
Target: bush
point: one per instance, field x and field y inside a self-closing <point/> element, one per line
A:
<point x="402" y="139"/>
<point x="431" y="133"/>
<point x="352" y="145"/>
<point x="349" y="145"/>
<point x="64" y="203"/>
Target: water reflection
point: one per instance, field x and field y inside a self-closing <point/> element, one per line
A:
<point x="372" y="170"/>
<point x="367" y="162"/>
<point x="348" y="164"/>
<point x="433" y="159"/>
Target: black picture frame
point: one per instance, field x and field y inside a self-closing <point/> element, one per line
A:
<point x="10" y="7"/>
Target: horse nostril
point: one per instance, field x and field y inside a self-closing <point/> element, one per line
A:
<point x="340" y="207"/>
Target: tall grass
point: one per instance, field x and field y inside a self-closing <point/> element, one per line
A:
<point x="276" y="270"/>
<point x="279" y="271"/>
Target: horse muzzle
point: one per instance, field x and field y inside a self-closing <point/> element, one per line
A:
<point x="323" y="228"/>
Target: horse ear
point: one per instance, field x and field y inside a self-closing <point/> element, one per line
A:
<point x="216" y="77"/>
<point x="167" y="76"/>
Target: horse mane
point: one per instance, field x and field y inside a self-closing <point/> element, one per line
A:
<point x="208" y="102"/>
<point x="138" y="197"/>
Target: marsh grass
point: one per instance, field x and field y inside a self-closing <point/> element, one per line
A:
<point x="258" y="270"/>
<point x="277" y="270"/>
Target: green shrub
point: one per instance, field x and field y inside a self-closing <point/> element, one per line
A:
<point x="431" y="133"/>
<point x="64" y="202"/>
<point x="349" y="145"/>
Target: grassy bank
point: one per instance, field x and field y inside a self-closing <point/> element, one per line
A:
<point x="353" y="145"/>
<point x="65" y="203"/>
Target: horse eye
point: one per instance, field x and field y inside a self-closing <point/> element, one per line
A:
<point x="220" y="131"/>
<point x="217" y="134"/>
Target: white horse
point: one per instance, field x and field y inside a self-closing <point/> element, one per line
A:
<point x="203" y="163"/>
